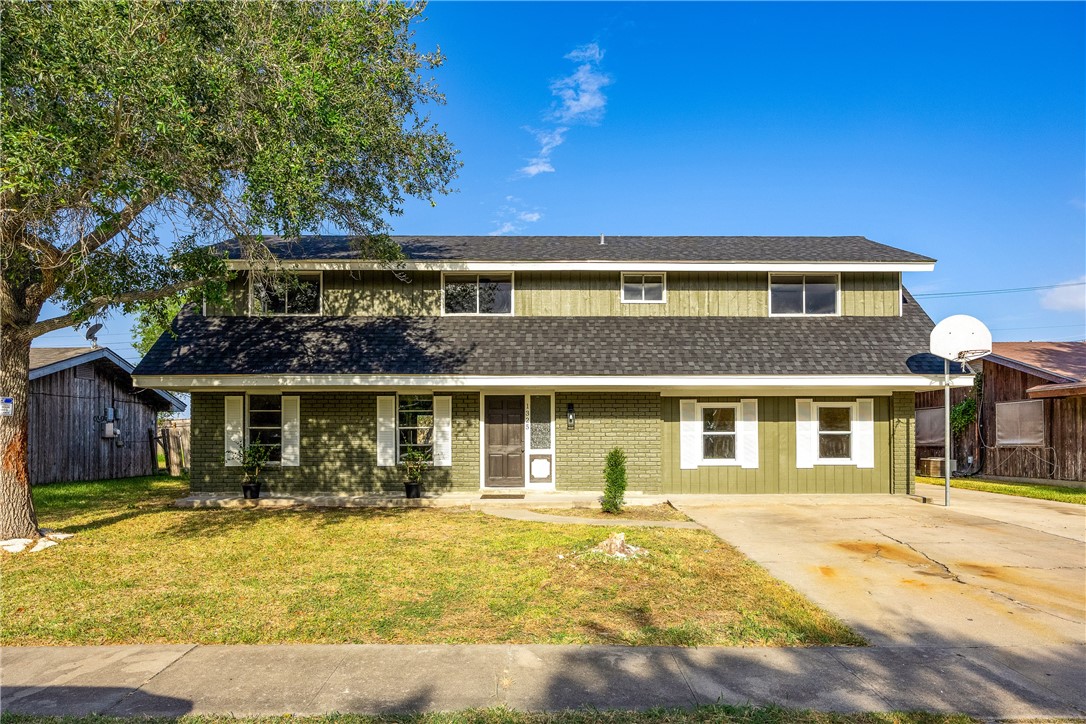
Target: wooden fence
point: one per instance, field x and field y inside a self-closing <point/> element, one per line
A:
<point x="173" y="443"/>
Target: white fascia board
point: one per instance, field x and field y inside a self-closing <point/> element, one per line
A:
<point x="641" y="266"/>
<point x="669" y="383"/>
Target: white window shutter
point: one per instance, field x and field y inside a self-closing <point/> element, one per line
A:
<point x="806" y="434"/>
<point x="747" y="432"/>
<point x="863" y="434"/>
<point x="689" y="435"/>
<point x="292" y="438"/>
<point x="442" y="431"/>
<point x="234" y="427"/>
<point x="386" y="431"/>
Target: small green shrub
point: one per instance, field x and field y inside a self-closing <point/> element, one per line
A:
<point x="614" y="476"/>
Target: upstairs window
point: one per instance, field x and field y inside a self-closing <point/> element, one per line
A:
<point x="288" y="294"/>
<point x="266" y="424"/>
<point x="478" y="293"/>
<point x="803" y="294"/>
<point x="643" y="288"/>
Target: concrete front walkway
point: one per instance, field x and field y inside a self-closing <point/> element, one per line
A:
<point x="986" y="682"/>
<point x="991" y="570"/>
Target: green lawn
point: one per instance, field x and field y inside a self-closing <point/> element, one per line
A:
<point x="141" y="571"/>
<point x="705" y="714"/>
<point x="662" y="511"/>
<point x="1022" y="490"/>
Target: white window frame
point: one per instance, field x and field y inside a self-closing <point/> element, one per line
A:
<point x="854" y="414"/>
<point x="622" y="288"/>
<point x="248" y="412"/>
<point x="433" y="424"/>
<point x="320" y="298"/>
<point x="512" y="294"/>
<point x="738" y="408"/>
<point x="837" y="297"/>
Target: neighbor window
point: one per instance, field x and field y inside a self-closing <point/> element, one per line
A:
<point x="834" y="432"/>
<point x="478" y="293"/>
<point x="643" y="287"/>
<point x="929" y="425"/>
<point x="266" y="424"/>
<point x="415" y="423"/>
<point x="803" y="294"/>
<point x="288" y="294"/>
<point x="1020" y="423"/>
<point x="718" y="432"/>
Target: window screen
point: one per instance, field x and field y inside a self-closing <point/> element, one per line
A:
<point x="929" y="426"/>
<point x="1020" y="423"/>
<point x="266" y="424"/>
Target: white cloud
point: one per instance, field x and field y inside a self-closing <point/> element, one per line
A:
<point x="581" y="98"/>
<point x="588" y="52"/>
<point x="511" y="220"/>
<point x="1066" y="299"/>
<point x="506" y="228"/>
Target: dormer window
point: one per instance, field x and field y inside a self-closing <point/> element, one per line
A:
<point x="803" y="294"/>
<point x="644" y="288"/>
<point x="477" y="293"/>
<point x="295" y="294"/>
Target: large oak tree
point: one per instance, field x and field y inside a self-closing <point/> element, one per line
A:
<point x="135" y="133"/>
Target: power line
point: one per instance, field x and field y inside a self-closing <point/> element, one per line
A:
<point x="1080" y="325"/>
<point x="985" y="292"/>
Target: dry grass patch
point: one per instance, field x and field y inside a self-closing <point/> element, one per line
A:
<point x="141" y="571"/>
<point x="663" y="511"/>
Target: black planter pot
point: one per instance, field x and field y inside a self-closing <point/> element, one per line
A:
<point x="412" y="490"/>
<point x="251" y="491"/>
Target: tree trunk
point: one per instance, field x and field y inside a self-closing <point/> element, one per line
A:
<point x="17" y="517"/>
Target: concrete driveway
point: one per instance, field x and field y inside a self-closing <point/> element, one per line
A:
<point x="991" y="570"/>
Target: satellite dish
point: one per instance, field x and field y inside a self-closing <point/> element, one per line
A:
<point x="92" y="334"/>
<point x="960" y="338"/>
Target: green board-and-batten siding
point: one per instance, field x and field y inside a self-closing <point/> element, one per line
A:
<point x="580" y="294"/>
<point x="776" y="471"/>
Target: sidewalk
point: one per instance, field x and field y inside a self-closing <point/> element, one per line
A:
<point x="986" y="682"/>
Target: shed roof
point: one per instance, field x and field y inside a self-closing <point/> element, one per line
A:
<point x="1061" y="359"/>
<point x="50" y="360"/>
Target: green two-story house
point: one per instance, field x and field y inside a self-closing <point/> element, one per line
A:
<point x="719" y="364"/>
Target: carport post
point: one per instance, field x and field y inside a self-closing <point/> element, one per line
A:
<point x="946" y="432"/>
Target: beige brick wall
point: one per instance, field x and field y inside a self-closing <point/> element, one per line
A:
<point x="605" y="420"/>
<point x="338" y="448"/>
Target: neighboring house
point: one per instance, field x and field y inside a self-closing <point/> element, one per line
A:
<point x="1032" y="418"/>
<point x="87" y="421"/>
<point x="719" y="364"/>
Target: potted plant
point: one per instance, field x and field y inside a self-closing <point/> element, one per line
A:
<point x="414" y="462"/>
<point x="253" y="459"/>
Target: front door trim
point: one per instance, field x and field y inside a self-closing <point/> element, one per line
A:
<point x="527" y="394"/>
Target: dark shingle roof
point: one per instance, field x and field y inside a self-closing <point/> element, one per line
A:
<point x="587" y="248"/>
<point x="520" y="346"/>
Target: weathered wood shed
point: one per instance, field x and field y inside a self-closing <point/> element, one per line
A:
<point x="1031" y="414"/>
<point x="87" y="421"/>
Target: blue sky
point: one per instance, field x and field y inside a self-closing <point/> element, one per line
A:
<point x="953" y="130"/>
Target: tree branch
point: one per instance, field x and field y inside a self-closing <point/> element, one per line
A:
<point x="99" y="303"/>
<point x="110" y="227"/>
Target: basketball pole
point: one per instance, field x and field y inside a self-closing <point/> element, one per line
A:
<point x="946" y="432"/>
